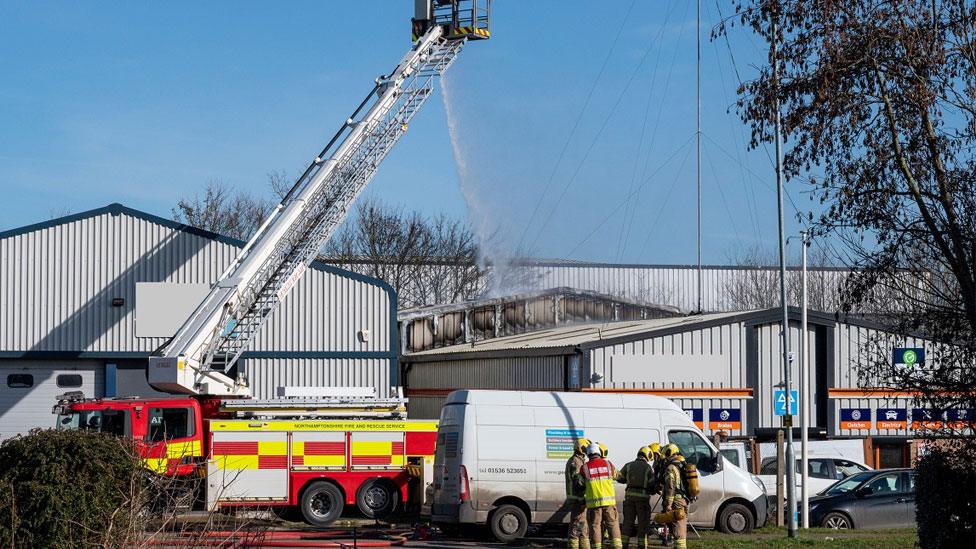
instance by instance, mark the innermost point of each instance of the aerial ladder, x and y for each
(198, 358)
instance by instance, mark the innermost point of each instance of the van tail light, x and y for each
(465, 495)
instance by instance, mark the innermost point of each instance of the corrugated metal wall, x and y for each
(429, 382)
(58, 284)
(674, 285)
(712, 358)
(770, 372)
(717, 358)
(854, 348)
(58, 280)
(265, 375)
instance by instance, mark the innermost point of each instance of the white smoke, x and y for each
(496, 255)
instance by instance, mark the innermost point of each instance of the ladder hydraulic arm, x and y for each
(197, 359)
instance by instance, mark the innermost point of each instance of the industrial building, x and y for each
(722, 368)
(84, 300)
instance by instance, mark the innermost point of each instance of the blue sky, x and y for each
(144, 102)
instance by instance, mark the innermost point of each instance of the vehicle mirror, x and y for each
(863, 491)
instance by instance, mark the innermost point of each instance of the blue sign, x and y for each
(960, 418)
(892, 418)
(697, 416)
(724, 419)
(855, 418)
(780, 400)
(909, 357)
(927, 418)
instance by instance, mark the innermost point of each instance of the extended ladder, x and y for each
(196, 360)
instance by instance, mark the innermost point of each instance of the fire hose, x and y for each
(287, 538)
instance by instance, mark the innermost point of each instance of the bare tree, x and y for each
(426, 260)
(756, 284)
(223, 211)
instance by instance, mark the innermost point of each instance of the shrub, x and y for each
(945, 498)
(67, 489)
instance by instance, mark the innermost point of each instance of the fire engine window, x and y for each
(69, 380)
(20, 381)
(115, 422)
(170, 423)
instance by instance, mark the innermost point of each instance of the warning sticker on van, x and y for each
(560, 442)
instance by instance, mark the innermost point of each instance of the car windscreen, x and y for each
(848, 484)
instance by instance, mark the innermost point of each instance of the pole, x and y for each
(698, 137)
(805, 388)
(780, 471)
(788, 419)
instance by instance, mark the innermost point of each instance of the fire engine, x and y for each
(317, 449)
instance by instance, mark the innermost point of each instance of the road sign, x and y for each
(780, 400)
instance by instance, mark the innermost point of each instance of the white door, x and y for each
(29, 388)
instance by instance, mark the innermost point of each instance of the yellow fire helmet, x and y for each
(670, 451)
(655, 449)
(581, 445)
(603, 449)
(644, 452)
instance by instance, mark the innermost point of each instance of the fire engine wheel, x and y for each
(377, 498)
(508, 523)
(322, 504)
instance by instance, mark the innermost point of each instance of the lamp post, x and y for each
(787, 378)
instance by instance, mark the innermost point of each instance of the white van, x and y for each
(501, 456)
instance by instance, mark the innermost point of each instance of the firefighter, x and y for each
(657, 468)
(637, 475)
(674, 496)
(575, 497)
(601, 502)
(654, 487)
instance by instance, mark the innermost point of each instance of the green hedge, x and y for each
(67, 489)
(945, 499)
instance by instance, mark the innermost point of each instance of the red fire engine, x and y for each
(318, 466)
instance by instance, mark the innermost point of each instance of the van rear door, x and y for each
(447, 463)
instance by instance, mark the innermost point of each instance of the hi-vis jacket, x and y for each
(599, 474)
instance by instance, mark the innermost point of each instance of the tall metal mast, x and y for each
(698, 136)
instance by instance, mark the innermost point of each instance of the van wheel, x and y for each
(377, 498)
(736, 518)
(322, 503)
(508, 523)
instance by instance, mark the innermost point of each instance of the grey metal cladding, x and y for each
(265, 375)
(710, 357)
(674, 285)
(537, 372)
(771, 368)
(58, 281)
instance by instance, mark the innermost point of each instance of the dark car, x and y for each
(873, 499)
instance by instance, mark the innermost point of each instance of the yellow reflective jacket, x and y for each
(599, 474)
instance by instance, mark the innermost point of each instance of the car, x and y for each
(884, 498)
(821, 473)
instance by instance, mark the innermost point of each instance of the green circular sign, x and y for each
(909, 357)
